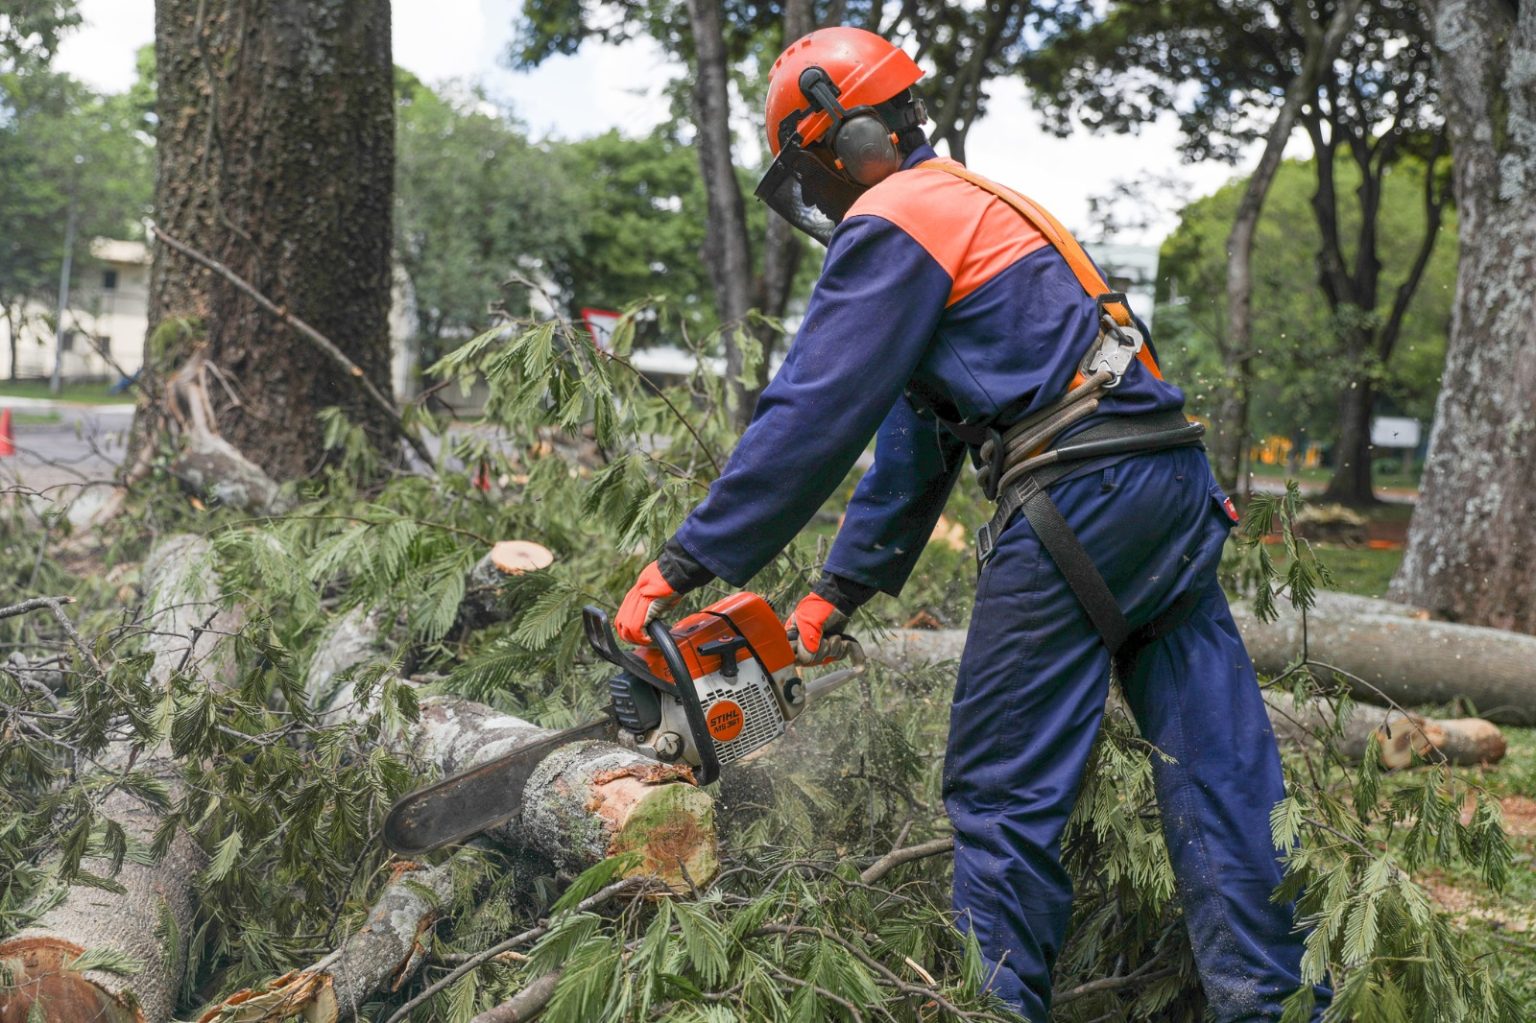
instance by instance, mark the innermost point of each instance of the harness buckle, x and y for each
(986, 544)
(1115, 349)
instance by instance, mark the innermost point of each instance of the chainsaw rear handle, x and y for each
(600, 636)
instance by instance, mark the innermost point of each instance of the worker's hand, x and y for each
(647, 600)
(816, 631)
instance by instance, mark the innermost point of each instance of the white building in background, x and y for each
(108, 318)
(103, 327)
(1131, 269)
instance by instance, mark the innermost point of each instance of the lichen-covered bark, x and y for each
(1471, 544)
(187, 630)
(276, 145)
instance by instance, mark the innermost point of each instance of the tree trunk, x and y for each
(727, 249)
(1409, 661)
(1351, 480)
(276, 148)
(1391, 647)
(1463, 741)
(584, 802)
(1470, 547)
(1231, 440)
(1229, 434)
(185, 625)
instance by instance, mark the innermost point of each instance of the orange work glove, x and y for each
(645, 602)
(817, 632)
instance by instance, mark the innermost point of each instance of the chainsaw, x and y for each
(715, 688)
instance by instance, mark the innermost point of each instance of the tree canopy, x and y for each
(1299, 365)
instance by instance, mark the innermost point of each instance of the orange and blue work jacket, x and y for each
(935, 295)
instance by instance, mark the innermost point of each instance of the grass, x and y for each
(83, 394)
(1360, 570)
(1321, 476)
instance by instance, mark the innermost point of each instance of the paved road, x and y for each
(86, 443)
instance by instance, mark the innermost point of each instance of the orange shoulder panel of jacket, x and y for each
(972, 234)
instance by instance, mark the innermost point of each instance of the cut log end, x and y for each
(591, 800)
(40, 975)
(514, 557)
(671, 826)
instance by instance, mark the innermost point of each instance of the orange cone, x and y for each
(482, 478)
(7, 439)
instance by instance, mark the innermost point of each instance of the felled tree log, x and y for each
(1462, 741)
(584, 803)
(186, 629)
(482, 604)
(1410, 660)
(1400, 737)
(379, 956)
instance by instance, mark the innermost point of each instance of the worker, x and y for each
(955, 321)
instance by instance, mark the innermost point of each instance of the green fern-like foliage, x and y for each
(577, 451)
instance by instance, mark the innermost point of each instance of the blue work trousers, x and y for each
(1028, 705)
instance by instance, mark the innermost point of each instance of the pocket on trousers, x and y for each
(1224, 506)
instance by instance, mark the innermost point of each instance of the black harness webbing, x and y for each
(1154, 432)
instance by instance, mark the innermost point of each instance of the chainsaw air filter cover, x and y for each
(735, 629)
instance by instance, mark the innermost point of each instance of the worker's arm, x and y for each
(895, 507)
(869, 323)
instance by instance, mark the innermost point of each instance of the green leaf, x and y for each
(225, 855)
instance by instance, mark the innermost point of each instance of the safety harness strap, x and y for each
(1061, 240)
(1067, 551)
(1152, 432)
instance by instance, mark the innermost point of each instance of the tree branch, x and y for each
(1434, 211)
(319, 340)
(896, 857)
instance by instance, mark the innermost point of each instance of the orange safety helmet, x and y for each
(864, 68)
(838, 108)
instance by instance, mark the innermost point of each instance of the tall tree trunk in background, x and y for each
(1351, 480)
(727, 244)
(728, 252)
(1470, 547)
(1230, 443)
(276, 146)
(783, 247)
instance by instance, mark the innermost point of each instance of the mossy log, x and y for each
(185, 632)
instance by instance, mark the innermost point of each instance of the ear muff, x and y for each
(866, 149)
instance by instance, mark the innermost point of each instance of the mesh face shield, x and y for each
(806, 192)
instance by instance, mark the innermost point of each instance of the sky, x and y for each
(604, 87)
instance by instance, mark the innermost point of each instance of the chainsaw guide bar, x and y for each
(466, 804)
